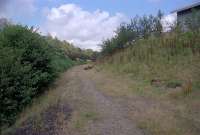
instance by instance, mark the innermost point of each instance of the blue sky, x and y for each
(83, 22)
(127, 7)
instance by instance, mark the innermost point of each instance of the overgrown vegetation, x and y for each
(163, 69)
(139, 28)
(70, 51)
(151, 54)
(28, 63)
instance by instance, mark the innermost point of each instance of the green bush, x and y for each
(27, 63)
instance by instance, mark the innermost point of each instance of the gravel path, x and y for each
(114, 119)
(75, 87)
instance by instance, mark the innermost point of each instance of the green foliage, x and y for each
(25, 68)
(151, 54)
(69, 50)
(139, 28)
(29, 62)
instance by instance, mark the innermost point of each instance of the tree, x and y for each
(158, 23)
(140, 27)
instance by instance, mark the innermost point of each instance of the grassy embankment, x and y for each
(165, 71)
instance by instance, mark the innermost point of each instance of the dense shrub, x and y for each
(27, 64)
(25, 67)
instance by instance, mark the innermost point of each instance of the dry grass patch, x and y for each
(158, 110)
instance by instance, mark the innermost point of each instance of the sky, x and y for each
(85, 23)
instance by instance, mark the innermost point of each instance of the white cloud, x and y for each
(168, 21)
(83, 28)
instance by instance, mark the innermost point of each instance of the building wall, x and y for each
(188, 16)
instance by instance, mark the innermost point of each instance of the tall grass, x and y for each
(172, 56)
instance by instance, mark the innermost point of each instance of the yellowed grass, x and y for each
(156, 110)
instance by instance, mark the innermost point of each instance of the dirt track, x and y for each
(114, 119)
(93, 102)
(86, 110)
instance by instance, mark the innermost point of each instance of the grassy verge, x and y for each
(156, 109)
(162, 80)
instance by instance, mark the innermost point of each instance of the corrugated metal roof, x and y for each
(187, 7)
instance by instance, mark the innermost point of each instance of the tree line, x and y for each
(145, 27)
